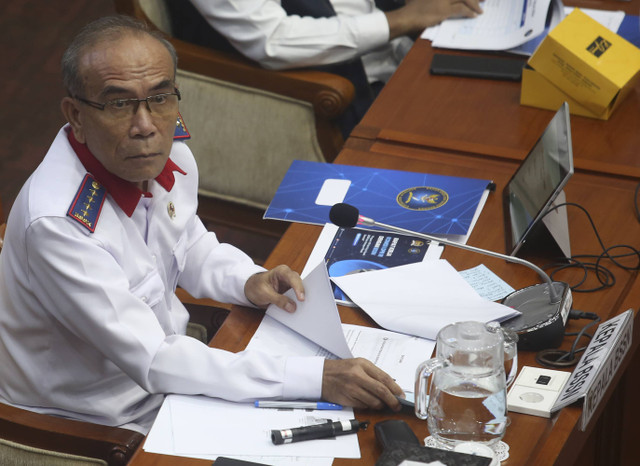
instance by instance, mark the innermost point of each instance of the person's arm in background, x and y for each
(262, 30)
(417, 15)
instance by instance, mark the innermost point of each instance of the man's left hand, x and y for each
(266, 288)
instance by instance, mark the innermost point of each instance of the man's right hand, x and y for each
(417, 15)
(360, 384)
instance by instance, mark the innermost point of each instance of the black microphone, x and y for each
(544, 307)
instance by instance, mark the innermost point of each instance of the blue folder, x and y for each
(422, 202)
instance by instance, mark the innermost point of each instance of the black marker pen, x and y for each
(316, 431)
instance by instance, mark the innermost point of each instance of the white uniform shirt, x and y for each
(262, 30)
(90, 327)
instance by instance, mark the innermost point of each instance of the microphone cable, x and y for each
(592, 262)
(557, 358)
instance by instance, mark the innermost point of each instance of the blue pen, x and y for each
(298, 405)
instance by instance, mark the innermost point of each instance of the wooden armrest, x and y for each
(330, 94)
(112, 444)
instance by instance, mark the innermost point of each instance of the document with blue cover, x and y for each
(422, 202)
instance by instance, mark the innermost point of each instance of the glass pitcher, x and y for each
(466, 400)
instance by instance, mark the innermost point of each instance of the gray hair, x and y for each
(103, 29)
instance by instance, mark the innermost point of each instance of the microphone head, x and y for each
(344, 215)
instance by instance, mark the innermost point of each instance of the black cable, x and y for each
(557, 358)
(588, 262)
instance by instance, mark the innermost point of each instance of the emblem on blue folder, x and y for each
(181, 131)
(422, 198)
(87, 204)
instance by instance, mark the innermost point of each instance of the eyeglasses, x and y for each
(161, 104)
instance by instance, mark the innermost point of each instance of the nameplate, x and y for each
(598, 366)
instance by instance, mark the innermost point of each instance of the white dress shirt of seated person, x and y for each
(264, 32)
(74, 338)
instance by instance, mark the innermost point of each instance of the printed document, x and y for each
(419, 299)
(504, 24)
(318, 331)
(189, 425)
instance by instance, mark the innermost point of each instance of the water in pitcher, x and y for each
(462, 410)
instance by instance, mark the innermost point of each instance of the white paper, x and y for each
(609, 19)
(333, 191)
(504, 24)
(397, 354)
(241, 427)
(419, 299)
(160, 440)
(317, 316)
(486, 283)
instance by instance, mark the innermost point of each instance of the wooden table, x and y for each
(484, 117)
(532, 440)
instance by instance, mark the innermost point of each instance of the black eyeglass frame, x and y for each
(101, 107)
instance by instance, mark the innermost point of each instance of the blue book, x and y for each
(422, 202)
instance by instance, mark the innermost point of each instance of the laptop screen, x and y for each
(538, 181)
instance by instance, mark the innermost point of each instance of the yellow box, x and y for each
(538, 91)
(584, 61)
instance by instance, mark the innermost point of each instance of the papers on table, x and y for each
(486, 283)
(516, 26)
(201, 427)
(204, 427)
(609, 19)
(357, 250)
(504, 24)
(396, 354)
(419, 299)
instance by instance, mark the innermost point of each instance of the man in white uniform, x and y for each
(97, 241)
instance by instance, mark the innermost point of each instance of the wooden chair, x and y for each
(32, 438)
(28, 438)
(248, 123)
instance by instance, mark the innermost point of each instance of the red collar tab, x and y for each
(123, 192)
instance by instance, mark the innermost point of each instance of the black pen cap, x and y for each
(276, 437)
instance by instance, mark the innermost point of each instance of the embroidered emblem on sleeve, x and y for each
(181, 131)
(87, 204)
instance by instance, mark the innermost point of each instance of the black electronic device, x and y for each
(477, 66)
(392, 433)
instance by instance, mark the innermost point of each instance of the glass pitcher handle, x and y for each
(510, 349)
(423, 374)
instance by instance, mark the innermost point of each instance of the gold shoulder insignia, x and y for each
(87, 204)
